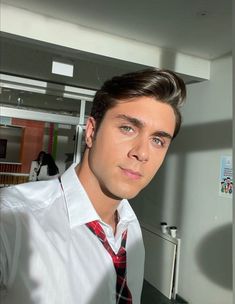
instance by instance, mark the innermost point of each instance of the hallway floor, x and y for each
(151, 295)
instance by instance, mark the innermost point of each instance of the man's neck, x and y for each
(105, 206)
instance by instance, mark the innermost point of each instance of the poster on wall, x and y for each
(226, 177)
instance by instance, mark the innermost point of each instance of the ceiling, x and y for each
(201, 28)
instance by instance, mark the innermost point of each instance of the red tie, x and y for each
(123, 294)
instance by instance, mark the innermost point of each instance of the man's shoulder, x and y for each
(32, 194)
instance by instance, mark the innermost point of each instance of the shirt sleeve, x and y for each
(10, 234)
(4, 261)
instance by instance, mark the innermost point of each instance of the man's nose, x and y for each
(140, 150)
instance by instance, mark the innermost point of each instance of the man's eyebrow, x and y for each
(140, 124)
(163, 134)
(135, 121)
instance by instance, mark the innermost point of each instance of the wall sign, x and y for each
(5, 120)
(226, 176)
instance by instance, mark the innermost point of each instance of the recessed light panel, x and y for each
(61, 68)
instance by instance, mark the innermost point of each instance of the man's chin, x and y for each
(129, 194)
(122, 194)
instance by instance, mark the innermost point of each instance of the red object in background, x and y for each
(31, 142)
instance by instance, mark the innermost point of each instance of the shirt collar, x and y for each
(79, 207)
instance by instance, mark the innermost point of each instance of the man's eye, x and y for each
(157, 141)
(126, 129)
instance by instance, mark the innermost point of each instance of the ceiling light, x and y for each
(60, 68)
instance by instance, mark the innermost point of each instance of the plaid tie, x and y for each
(123, 294)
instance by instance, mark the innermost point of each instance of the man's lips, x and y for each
(131, 173)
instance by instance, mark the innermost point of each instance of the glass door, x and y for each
(34, 119)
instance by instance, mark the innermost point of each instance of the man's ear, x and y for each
(90, 131)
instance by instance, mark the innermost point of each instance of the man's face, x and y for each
(130, 145)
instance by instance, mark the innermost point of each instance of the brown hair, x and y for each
(164, 85)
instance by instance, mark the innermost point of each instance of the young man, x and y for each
(77, 240)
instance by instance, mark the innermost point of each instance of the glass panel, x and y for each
(88, 108)
(25, 139)
(38, 101)
(10, 143)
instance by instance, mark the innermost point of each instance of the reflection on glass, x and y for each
(40, 102)
(25, 139)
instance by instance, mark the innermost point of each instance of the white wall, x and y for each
(185, 193)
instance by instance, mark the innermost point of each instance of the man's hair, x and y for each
(163, 85)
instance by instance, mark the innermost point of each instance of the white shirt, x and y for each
(49, 256)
